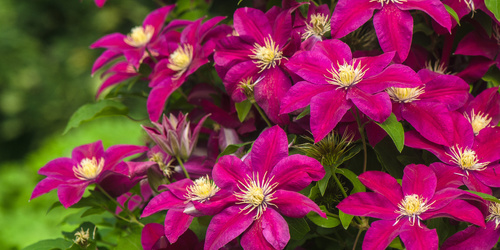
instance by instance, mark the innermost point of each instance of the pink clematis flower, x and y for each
(119, 72)
(484, 110)
(335, 82)
(89, 164)
(478, 43)
(262, 188)
(393, 22)
(314, 27)
(403, 208)
(100, 3)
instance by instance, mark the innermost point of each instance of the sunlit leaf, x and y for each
(395, 130)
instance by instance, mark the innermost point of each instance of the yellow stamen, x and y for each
(202, 190)
(437, 67)
(181, 59)
(257, 194)
(347, 74)
(405, 95)
(494, 210)
(318, 26)
(88, 169)
(267, 56)
(388, 1)
(412, 206)
(466, 159)
(140, 36)
(478, 121)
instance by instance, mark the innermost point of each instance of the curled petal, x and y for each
(226, 226)
(394, 30)
(296, 172)
(383, 184)
(380, 234)
(294, 204)
(269, 148)
(369, 204)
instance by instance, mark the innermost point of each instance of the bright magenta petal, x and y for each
(270, 91)
(369, 204)
(380, 234)
(252, 22)
(312, 66)
(69, 194)
(226, 226)
(395, 75)
(459, 210)
(326, 111)
(176, 223)
(419, 238)
(350, 15)
(293, 204)
(253, 238)
(157, 18)
(275, 229)
(383, 184)
(473, 238)
(378, 106)
(46, 185)
(296, 172)
(229, 170)
(433, 8)
(336, 50)
(270, 148)
(420, 180)
(165, 200)
(300, 95)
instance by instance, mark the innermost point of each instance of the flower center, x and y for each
(82, 237)
(494, 210)
(466, 159)
(437, 67)
(347, 75)
(266, 55)
(478, 121)
(388, 1)
(140, 36)
(412, 206)
(318, 26)
(470, 5)
(181, 59)
(257, 194)
(202, 190)
(405, 95)
(88, 169)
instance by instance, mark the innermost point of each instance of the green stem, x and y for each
(361, 128)
(151, 55)
(129, 213)
(338, 183)
(183, 168)
(357, 238)
(261, 112)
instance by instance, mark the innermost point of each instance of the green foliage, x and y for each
(329, 222)
(494, 7)
(298, 227)
(452, 13)
(345, 219)
(242, 108)
(58, 243)
(92, 111)
(395, 130)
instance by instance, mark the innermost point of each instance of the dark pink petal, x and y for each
(293, 204)
(163, 201)
(233, 49)
(464, 135)
(270, 91)
(312, 66)
(157, 18)
(151, 234)
(475, 44)
(380, 234)
(446, 89)
(88, 151)
(383, 184)
(300, 95)
(377, 106)
(447, 176)
(433, 8)
(253, 238)
(487, 144)
(60, 168)
(190, 33)
(369, 204)
(420, 180)
(69, 194)
(207, 26)
(269, 148)
(473, 238)
(337, 51)
(394, 29)
(395, 75)
(459, 210)
(113, 80)
(282, 28)
(116, 153)
(229, 171)
(100, 3)
(296, 172)
(443, 197)
(419, 238)
(178, 188)
(326, 111)
(375, 64)
(216, 204)
(489, 176)
(475, 184)
(236, 75)
(157, 98)
(226, 226)
(116, 183)
(106, 57)
(275, 229)
(252, 22)
(176, 223)
(414, 140)
(487, 102)
(478, 66)
(44, 186)
(346, 18)
(112, 41)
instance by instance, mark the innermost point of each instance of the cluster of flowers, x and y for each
(281, 62)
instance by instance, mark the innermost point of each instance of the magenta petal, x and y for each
(419, 238)
(113, 80)
(151, 233)
(106, 57)
(252, 22)
(346, 18)
(112, 41)
(489, 176)
(157, 98)
(420, 180)
(253, 238)
(394, 29)
(237, 74)
(336, 50)
(377, 106)
(270, 91)
(369, 204)
(116, 153)
(446, 89)
(326, 111)
(44, 186)
(293, 204)
(487, 144)
(488, 102)
(475, 184)
(178, 188)
(296, 172)
(459, 210)
(157, 18)
(229, 170)
(60, 168)
(383, 184)
(380, 234)
(275, 229)
(233, 49)
(433, 8)
(443, 197)
(414, 140)
(312, 66)
(226, 226)
(100, 3)
(395, 75)
(375, 64)
(300, 95)
(88, 151)
(69, 194)
(163, 201)
(473, 238)
(176, 223)
(475, 44)
(269, 148)
(447, 176)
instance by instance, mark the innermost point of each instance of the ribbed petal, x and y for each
(270, 91)
(419, 238)
(394, 29)
(233, 49)
(293, 204)
(414, 140)
(112, 41)
(475, 184)
(443, 197)
(158, 96)
(176, 223)
(447, 176)
(60, 168)
(487, 144)
(69, 194)
(420, 180)
(44, 186)
(163, 201)
(229, 171)
(337, 51)
(300, 95)
(226, 226)
(238, 73)
(116, 153)
(275, 229)
(377, 106)
(106, 57)
(88, 151)
(476, 44)
(326, 111)
(254, 238)
(151, 233)
(157, 18)
(383, 184)
(252, 22)
(350, 15)
(269, 148)
(296, 172)
(459, 210)
(473, 238)
(488, 102)
(375, 64)
(113, 80)
(178, 188)
(311, 65)
(489, 176)
(380, 234)
(433, 8)
(395, 75)
(369, 204)
(446, 89)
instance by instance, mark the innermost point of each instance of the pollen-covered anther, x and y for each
(88, 169)
(437, 67)
(202, 190)
(494, 210)
(388, 1)
(405, 95)
(82, 237)
(412, 206)
(318, 26)
(478, 121)
(347, 74)
(267, 56)
(181, 59)
(466, 159)
(140, 36)
(256, 193)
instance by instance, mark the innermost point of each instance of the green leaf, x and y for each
(353, 178)
(396, 243)
(131, 241)
(232, 148)
(323, 183)
(242, 108)
(93, 210)
(452, 13)
(91, 111)
(492, 77)
(306, 111)
(494, 7)
(155, 179)
(385, 151)
(330, 222)
(345, 219)
(58, 243)
(298, 227)
(485, 196)
(395, 131)
(314, 192)
(54, 205)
